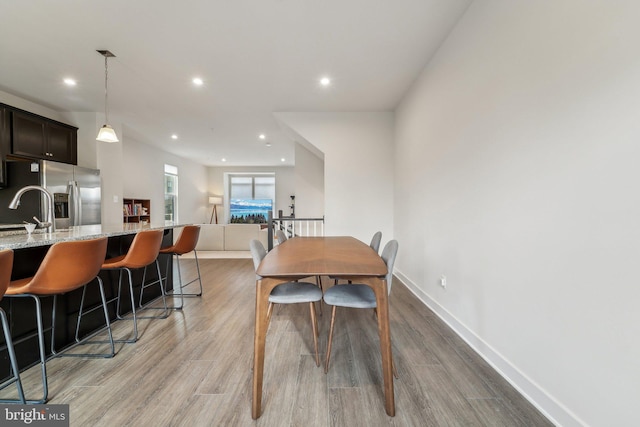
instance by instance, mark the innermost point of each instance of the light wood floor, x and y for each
(194, 368)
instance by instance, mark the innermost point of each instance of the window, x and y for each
(251, 197)
(170, 194)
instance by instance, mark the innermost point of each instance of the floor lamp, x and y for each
(215, 201)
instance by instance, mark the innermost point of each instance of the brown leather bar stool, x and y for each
(6, 266)
(186, 243)
(143, 252)
(66, 266)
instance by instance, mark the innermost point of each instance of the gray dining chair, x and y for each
(289, 293)
(375, 241)
(354, 295)
(375, 245)
(281, 236)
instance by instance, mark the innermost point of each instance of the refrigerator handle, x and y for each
(71, 212)
(74, 202)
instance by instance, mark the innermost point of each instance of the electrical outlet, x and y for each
(443, 281)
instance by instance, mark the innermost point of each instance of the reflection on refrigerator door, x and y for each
(81, 189)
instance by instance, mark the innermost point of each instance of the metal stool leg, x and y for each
(133, 307)
(15, 378)
(43, 359)
(86, 340)
(164, 307)
(83, 312)
(181, 286)
(166, 281)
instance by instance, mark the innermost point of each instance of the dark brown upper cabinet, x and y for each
(5, 141)
(37, 137)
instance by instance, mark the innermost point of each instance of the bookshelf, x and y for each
(136, 210)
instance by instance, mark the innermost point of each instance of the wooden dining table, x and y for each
(321, 256)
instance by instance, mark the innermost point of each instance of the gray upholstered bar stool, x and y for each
(185, 243)
(67, 266)
(143, 251)
(6, 266)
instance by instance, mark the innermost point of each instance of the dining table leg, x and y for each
(384, 331)
(263, 289)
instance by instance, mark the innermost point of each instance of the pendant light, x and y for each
(106, 133)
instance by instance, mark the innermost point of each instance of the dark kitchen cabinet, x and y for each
(62, 142)
(28, 135)
(34, 136)
(5, 142)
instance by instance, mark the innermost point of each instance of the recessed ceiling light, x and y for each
(174, 136)
(325, 81)
(69, 82)
(197, 81)
(224, 160)
(262, 136)
(268, 144)
(282, 159)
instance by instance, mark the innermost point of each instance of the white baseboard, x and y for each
(545, 403)
(219, 254)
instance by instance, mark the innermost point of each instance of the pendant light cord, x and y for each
(106, 72)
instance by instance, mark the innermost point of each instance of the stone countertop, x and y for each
(21, 239)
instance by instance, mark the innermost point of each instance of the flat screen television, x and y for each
(249, 211)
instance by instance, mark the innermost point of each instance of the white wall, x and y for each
(516, 176)
(88, 126)
(113, 173)
(285, 186)
(143, 168)
(358, 164)
(309, 184)
(32, 107)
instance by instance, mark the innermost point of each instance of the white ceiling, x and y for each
(256, 57)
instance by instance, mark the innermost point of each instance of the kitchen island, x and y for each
(20, 239)
(29, 251)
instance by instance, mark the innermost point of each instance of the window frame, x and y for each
(253, 175)
(172, 172)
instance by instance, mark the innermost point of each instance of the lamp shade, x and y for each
(215, 200)
(107, 134)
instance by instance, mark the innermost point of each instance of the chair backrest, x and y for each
(281, 236)
(258, 252)
(375, 241)
(144, 249)
(68, 266)
(389, 257)
(188, 239)
(6, 266)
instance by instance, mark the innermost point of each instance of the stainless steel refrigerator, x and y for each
(76, 193)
